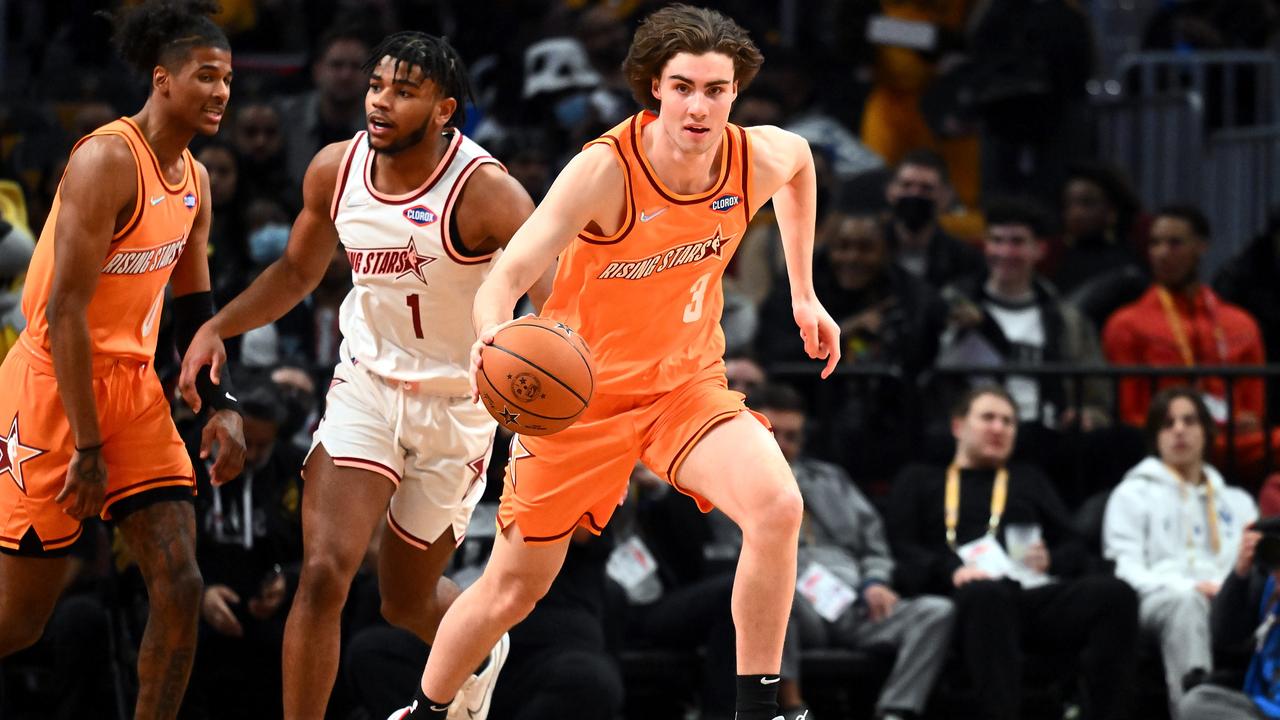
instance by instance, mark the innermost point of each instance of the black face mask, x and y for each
(914, 211)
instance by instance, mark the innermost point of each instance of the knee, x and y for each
(324, 580)
(406, 611)
(777, 518)
(934, 611)
(510, 598)
(180, 589)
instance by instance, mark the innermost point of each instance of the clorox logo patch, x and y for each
(189, 200)
(725, 203)
(421, 215)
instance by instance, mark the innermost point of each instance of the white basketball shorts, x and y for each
(434, 448)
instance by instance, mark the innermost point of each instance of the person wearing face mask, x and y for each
(1173, 526)
(915, 195)
(249, 547)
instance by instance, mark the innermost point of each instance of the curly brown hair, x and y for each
(683, 28)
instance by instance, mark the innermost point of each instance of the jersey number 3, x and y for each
(698, 290)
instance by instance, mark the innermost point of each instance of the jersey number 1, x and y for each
(413, 303)
(698, 290)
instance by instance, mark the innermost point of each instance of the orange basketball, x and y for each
(537, 377)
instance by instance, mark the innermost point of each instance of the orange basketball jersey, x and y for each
(648, 298)
(125, 308)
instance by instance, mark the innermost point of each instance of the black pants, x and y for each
(383, 664)
(1092, 618)
(696, 615)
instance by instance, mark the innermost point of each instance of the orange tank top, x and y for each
(125, 309)
(648, 298)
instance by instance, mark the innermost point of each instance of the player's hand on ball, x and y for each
(820, 333)
(225, 429)
(206, 349)
(485, 337)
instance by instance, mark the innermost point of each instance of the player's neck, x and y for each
(166, 139)
(684, 172)
(406, 170)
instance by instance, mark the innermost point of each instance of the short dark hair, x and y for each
(1190, 214)
(926, 158)
(776, 396)
(964, 404)
(1018, 211)
(683, 28)
(1158, 412)
(159, 32)
(260, 400)
(437, 59)
(1111, 180)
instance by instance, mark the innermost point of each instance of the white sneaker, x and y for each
(476, 694)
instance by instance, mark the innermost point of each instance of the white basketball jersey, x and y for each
(409, 315)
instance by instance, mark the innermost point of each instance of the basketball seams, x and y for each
(582, 355)
(540, 369)
(518, 406)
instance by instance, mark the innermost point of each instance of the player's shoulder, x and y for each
(105, 152)
(597, 162)
(322, 174)
(774, 138)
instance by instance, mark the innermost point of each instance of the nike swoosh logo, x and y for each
(157, 200)
(770, 681)
(231, 397)
(654, 214)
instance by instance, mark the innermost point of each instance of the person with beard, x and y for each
(1181, 322)
(421, 211)
(918, 189)
(249, 545)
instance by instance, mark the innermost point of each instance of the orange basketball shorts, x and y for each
(141, 446)
(578, 476)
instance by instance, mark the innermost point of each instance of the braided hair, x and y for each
(160, 32)
(438, 61)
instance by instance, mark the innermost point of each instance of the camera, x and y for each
(1266, 557)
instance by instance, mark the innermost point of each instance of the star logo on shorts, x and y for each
(477, 471)
(508, 417)
(13, 453)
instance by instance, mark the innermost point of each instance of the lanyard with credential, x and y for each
(999, 496)
(1180, 333)
(1210, 509)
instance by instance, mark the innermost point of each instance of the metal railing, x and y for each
(916, 394)
(1242, 87)
(1159, 139)
(1241, 185)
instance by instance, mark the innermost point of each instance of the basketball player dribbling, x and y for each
(421, 211)
(86, 424)
(644, 221)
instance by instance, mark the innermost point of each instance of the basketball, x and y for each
(537, 377)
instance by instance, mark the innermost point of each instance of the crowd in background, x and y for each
(964, 228)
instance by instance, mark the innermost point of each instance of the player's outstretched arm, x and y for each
(282, 285)
(587, 190)
(782, 168)
(86, 221)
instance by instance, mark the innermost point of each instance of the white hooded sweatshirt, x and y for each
(1156, 528)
